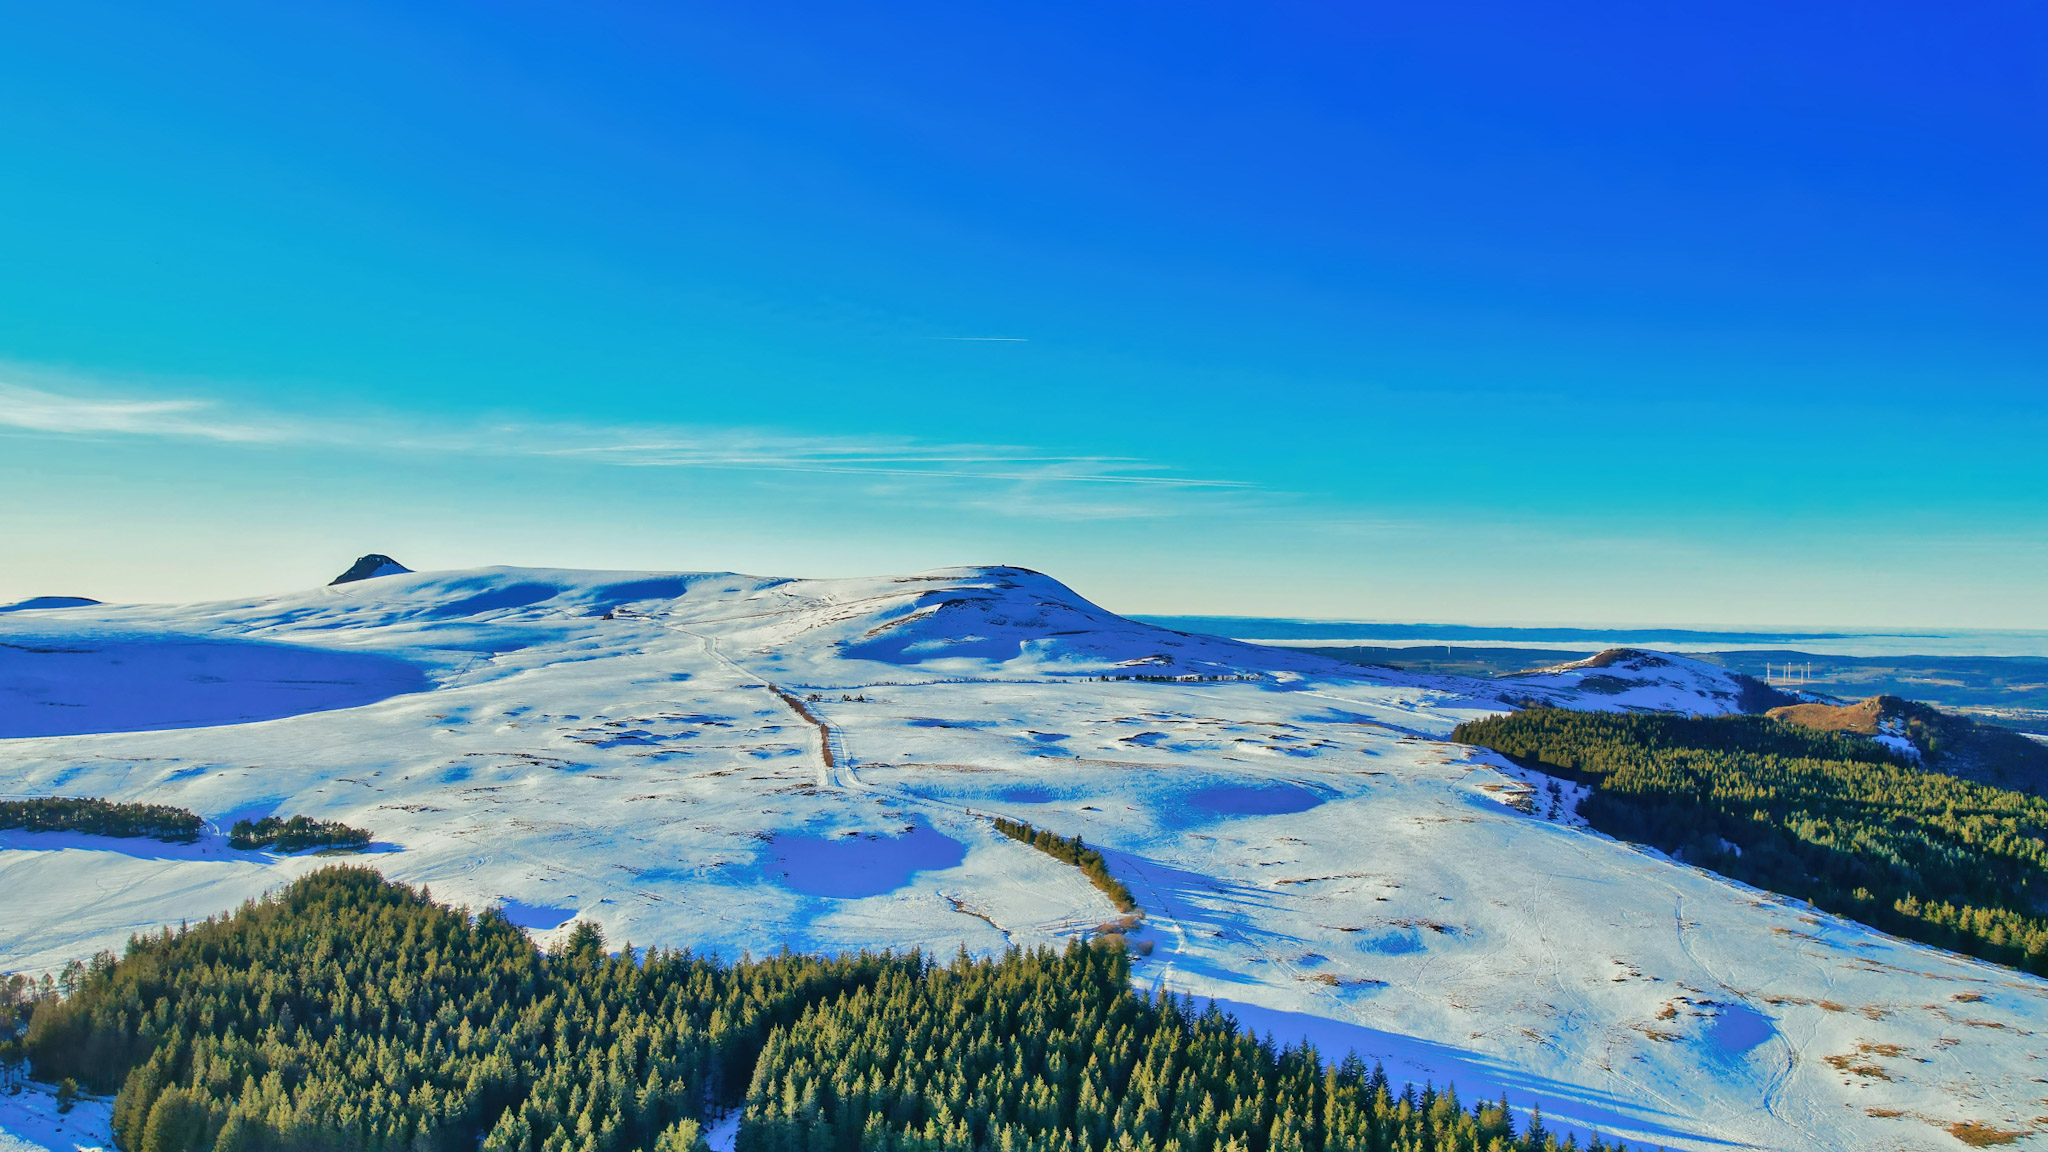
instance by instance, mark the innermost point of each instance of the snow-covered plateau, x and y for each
(734, 764)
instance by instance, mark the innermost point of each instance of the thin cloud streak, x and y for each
(39, 411)
(34, 410)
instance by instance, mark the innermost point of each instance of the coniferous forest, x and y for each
(173, 825)
(345, 1012)
(101, 818)
(1829, 817)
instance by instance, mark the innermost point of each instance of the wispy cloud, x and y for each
(1013, 479)
(34, 410)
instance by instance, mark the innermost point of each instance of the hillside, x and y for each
(1933, 739)
(1827, 816)
(1634, 680)
(737, 763)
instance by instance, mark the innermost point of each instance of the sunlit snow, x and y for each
(622, 748)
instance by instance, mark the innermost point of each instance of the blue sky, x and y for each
(1467, 312)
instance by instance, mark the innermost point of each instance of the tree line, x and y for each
(1073, 851)
(1044, 1052)
(172, 825)
(344, 1012)
(1823, 816)
(101, 818)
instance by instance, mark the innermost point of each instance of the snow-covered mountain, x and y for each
(622, 747)
(1623, 679)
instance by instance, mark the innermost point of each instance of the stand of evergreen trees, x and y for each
(347, 1013)
(296, 833)
(18, 997)
(101, 818)
(1038, 1052)
(1824, 816)
(344, 1012)
(1073, 851)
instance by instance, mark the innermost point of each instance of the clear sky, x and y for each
(1616, 313)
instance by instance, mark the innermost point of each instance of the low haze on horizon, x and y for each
(1470, 314)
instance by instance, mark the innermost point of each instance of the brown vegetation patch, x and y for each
(1855, 1063)
(1850, 1064)
(1862, 718)
(1332, 980)
(1984, 1135)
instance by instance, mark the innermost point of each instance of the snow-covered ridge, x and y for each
(617, 746)
(44, 603)
(1633, 679)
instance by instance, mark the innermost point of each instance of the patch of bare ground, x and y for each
(1320, 879)
(1978, 1135)
(1974, 1133)
(1856, 1063)
(1332, 980)
(966, 909)
(1824, 1005)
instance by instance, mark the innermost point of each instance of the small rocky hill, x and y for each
(1936, 740)
(367, 567)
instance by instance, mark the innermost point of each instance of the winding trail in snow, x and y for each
(711, 649)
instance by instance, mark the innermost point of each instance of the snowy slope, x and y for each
(617, 746)
(42, 603)
(1630, 679)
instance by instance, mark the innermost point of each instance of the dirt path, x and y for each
(826, 761)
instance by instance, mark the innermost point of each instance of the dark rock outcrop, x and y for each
(375, 564)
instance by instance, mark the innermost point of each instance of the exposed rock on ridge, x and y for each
(367, 567)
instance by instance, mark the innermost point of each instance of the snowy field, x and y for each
(621, 748)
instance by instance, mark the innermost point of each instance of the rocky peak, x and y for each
(372, 565)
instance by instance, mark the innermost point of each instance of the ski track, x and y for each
(638, 750)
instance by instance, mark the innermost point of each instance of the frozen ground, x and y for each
(621, 747)
(30, 1122)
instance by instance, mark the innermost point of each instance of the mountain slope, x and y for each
(39, 603)
(1630, 679)
(620, 746)
(1936, 740)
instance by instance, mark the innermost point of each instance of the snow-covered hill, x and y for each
(620, 747)
(1622, 679)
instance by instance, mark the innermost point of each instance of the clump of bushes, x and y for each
(297, 833)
